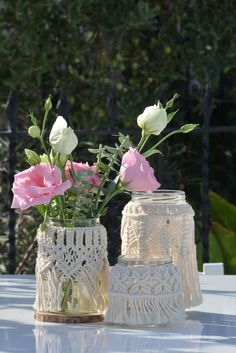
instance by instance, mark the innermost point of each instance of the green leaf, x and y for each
(170, 103)
(227, 242)
(93, 150)
(32, 157)
(41, 209)
(171, 115)
(33, 119)
(125, 141)
(111, 187)
(151, 152)
(222, 211)
(85, 184)
(223, 217)
(111, 149)
(102, 166)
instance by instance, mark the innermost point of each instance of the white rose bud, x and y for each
(62, 138)
(153, 120)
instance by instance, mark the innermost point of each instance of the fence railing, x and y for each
(63, 108)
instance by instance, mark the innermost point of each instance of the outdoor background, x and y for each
(109, 60)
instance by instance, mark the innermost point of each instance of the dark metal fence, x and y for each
(63, 108)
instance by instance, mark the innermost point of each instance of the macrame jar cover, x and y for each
(71, 274)
(145, 286)
(151, 222)
(145, 294)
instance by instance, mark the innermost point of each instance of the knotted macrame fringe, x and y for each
(140, 295)
(146, 310)
(189, 278)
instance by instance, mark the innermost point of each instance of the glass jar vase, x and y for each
(158, 226)
(71, 271)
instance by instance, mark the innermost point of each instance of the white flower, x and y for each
(62, 138)
(153, 120)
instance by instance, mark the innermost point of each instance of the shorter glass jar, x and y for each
(71, 271)
(145, 292)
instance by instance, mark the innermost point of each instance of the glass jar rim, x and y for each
(73, 222)
(161, 195)
(140, 262)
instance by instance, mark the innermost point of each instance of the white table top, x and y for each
(209, 328)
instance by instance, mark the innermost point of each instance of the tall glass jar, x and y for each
(71, 271)
(159, 225)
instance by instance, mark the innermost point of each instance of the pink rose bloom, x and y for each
(136, 173)
(94, 179)
(37, 186)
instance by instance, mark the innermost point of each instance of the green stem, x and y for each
(66, 293)
(73, 175)
(141, 140)
(44, 122)
(45, 148)
(45, 214)
(107, 199)
(166, 137)
(42, 136)
(144, 142)
(60, 203)
(106, 175)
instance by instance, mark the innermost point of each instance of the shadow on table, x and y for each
(217, 328)
(219, 292)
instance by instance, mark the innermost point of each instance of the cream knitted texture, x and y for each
(68, 254)
(151, 231)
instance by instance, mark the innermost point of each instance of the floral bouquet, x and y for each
(72, 267)
(62, 188)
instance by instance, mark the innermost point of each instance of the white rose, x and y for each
(153, 120)
(62, 138)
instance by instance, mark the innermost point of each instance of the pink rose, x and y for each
(136, 173)
(37, 186)
(94, 179)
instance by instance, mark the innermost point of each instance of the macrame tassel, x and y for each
(189, 277)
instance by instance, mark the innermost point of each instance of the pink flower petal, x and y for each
(37, 185)
(136, 173)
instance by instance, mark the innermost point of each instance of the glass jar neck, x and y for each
(74, 222)
(159, 197)
(140, 262)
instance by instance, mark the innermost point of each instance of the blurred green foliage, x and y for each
(96, 51)
(112, 59)
(223, 227)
